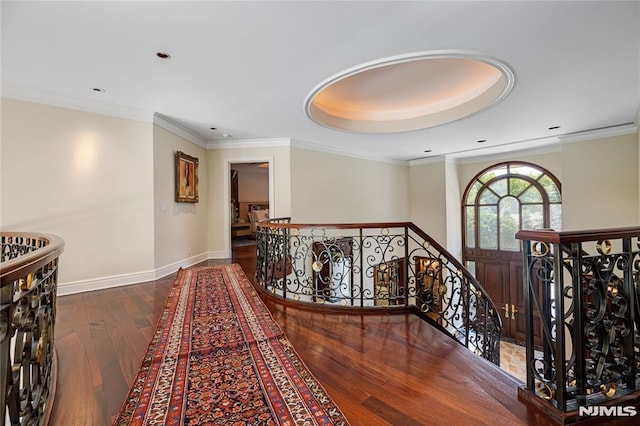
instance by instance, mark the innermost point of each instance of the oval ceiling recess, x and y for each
(409, 92)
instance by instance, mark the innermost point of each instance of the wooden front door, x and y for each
(498, 202)
(501, 274)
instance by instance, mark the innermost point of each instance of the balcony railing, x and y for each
(581, 292)
(377, 266)
(29, 272)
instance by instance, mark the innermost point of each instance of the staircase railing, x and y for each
(29, 272)
(377, 266)
(583, 286)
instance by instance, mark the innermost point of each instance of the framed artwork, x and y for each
(186, 178)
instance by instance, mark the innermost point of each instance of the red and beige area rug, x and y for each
(218, 357)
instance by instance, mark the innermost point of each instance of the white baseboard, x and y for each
(102, 283)
(218, 255)
(170, 269)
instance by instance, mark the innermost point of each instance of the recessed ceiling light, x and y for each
(98, 89)
(226, 135)
(409, 92)
(163, 55)
(427, 150)
(554, 127)
(213, 128)
(481, 141)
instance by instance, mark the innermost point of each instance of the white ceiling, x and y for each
(247, 67)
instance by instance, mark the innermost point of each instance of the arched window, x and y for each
(505, 198)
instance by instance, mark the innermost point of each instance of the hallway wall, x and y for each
(85, 177)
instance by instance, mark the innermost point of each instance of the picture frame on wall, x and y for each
(186, 178)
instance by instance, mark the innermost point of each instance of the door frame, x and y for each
(226, 191)
(508, 259)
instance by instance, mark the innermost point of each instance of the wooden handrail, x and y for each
(269, 224)
(565, 237)
(294, 263)
(593, 297)
(29, 279)
(22, 265)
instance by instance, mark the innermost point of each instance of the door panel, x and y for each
(491, 275)
(497, 202)
(516, 287)
(501, 274)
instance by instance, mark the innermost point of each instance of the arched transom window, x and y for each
(508, 197)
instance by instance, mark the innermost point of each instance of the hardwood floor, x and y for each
(380, 369)
(101, 337)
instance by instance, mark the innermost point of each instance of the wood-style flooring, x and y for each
(380, 369)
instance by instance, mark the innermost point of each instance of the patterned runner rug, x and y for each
(218, 357)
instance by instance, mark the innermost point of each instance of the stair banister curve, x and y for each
(29, 277)
(394, 267)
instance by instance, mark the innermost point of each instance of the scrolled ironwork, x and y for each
(27, 319)
(588, 315)
(390, 266)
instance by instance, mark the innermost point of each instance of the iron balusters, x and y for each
(393, 266)
(27, 320)
(584, 287)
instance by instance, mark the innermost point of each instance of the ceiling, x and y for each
(246, 68)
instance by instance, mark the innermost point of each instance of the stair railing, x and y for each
(377, 266)
(29, 271)
(581, 291)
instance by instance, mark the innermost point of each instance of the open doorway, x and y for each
(249, 200)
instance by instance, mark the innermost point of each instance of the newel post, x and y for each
(581, 292)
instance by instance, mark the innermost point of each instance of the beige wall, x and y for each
(105, 185)
(600, 183)
(253, 186)
(218, 161)
(599, 180)
(85, 177)
(180, 229)
(453, 243)
(429, 199)
(437, 189)
(330, 188)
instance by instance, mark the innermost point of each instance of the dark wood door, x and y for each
(491, 274)
(501, 274)
(519, 326)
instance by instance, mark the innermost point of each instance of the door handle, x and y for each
(506, 310)
(514, 311)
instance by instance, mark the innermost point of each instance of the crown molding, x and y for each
(428, 160)
(277, 142)
(170, 125)
(249, 143)
(507, 155)
(601, 133)
(535, 146)
(354, 154)
(51, 98)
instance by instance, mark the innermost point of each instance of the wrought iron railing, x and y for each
(581, 292)
(388, 266)
(29, 271)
